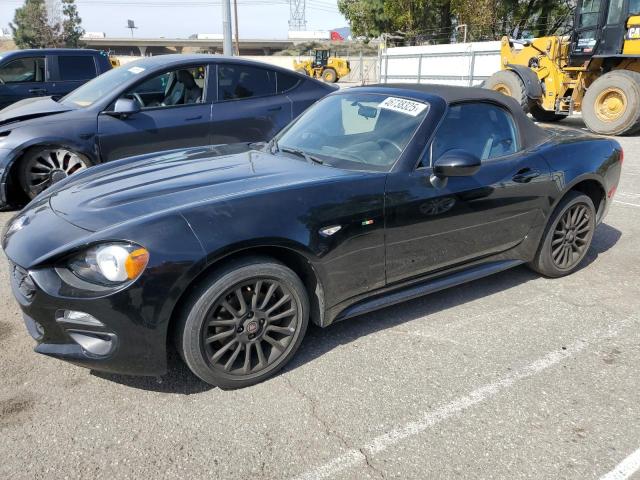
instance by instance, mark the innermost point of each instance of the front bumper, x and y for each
(119, 340)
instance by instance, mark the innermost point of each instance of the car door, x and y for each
(249, 107)
(68, 72)
(22, 77)
(176, 113)
(431, 228)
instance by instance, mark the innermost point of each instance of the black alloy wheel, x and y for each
(567, 237)
(571, 236)
(250, 326)
(243, 323)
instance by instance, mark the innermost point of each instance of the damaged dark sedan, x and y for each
(149, 105)
(373, 196)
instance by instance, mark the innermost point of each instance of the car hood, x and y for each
(31, 108)
(151, 185)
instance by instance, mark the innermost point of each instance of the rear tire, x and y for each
(542, 115)
(509, 83)
(243, 323)
(329, 75)
(567, 236)
(611, 105)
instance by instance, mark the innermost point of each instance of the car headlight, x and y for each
(110, 264)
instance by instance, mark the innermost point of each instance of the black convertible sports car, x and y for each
(373, 196)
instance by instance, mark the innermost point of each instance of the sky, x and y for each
(265, 19)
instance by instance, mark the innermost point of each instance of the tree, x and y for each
(30, 25)
(434, 21)
(409, 20)
(71, 24)
(33, 28)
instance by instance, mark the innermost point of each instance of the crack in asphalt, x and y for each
(330, 431)
(327, 428)
(313, 409)
(370, 465)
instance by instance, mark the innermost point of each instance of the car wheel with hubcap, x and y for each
(244, 323)
(43, 166)
(567, 237)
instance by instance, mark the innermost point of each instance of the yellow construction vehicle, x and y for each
(594, 70)
(323, 65)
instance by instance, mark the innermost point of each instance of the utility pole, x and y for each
(235, 19)
(227, 48)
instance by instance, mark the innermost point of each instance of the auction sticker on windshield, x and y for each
(402, 105)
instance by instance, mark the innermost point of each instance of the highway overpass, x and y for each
(156, 46)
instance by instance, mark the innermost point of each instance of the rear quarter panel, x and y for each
(306, 94)
(574, 157)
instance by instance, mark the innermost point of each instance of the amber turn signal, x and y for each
(136, 262)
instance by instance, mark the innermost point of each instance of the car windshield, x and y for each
(358, 131)
(102, 85)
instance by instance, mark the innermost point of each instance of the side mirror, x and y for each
(456, 163)
(125, 107)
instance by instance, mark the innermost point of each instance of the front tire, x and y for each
(41, 167)
(611, 105)
(329, 75)
(567, 237)
(244, 323)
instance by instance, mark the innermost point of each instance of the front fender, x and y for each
(530, 79)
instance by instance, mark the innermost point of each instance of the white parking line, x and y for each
(431, 418)
(625, 469)
(626, 203)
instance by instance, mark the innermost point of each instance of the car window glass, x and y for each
(183, 86)
(286, 82)
(355, 130)
(615, 11)
(21, 70)
(353, 120)
(76, 67)
(243, 81)
(485, 130)
(589, 13)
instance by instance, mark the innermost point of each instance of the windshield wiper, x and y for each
(301, 153)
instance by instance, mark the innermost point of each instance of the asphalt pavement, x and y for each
(512, 376)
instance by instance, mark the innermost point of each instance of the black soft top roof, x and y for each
(531, 135)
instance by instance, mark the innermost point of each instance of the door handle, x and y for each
(191, 119)
(274, 109)
(525, 175)
(37, 90)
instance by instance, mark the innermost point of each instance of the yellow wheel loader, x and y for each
(595, 70)
(323, 65)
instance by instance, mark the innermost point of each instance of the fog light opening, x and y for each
(78, 318)
(97, 344)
